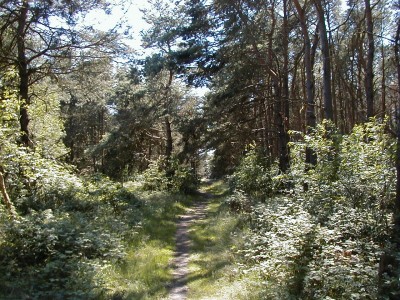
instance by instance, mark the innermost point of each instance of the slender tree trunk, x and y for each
(279, 113)
(280, 88)
(397, 59)
(167, 127)
(284, 136)
(167, 121)
(369, 71)
(327, 84)
(360, 106)
(23, 74)
(266, 132)
(6, 197)
(169, 141)
(297, 106)
(311, 158)
(383, 84)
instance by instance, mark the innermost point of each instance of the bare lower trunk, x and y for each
(383, 84)
(284, 136)
(169, 141)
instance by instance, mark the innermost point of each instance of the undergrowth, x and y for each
(145, 272)
(92, 239)
(334, 239)
(214, 264)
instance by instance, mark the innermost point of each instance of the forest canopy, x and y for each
(301, 117)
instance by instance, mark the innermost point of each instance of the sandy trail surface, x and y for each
(178, 288)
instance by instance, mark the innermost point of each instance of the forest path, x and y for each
(179, 288)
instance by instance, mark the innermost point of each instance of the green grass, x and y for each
(217, 188)
(214, 273)
(145, 271)
(141, 225)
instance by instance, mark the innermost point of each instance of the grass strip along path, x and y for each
(185, 248)
(205, 263)
(179, 288)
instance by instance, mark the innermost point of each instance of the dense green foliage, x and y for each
(253, 175)
(98, 158)
(327, 242)
(181, 179)
(87, 237)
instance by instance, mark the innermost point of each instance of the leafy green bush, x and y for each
(298, 257)
(46, 250)
(279, 246)
(178, 178)
(366, 173)
(326, 242)
(357, 168)
(253, 175)
(239, 202)
(344, 265)
(183, 179)
(154, 178)
(66, 238)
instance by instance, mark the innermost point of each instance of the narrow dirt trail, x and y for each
(179, 289)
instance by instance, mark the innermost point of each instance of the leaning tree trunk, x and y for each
(6, 197)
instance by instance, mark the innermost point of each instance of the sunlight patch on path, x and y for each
(179, 289)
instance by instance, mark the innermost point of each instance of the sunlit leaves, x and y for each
(326, 242)
(253, 175)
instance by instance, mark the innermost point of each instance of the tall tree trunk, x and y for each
(311, 158)
(23, 73)
(284, 162)
(280, 107)
(397, 59)
(279, 115)
(369, 72)
(383, 83)
(167, 127)
(327, 85)
(266, 131)
(167, 121)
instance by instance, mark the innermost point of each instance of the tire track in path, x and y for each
(179, 288)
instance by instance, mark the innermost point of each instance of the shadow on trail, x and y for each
(178, 288)
(200, 241)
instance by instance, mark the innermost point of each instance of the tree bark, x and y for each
(284, 162)
(369, 71)
(23, 74)
(311, 158)
(397, 59)
(383, 83)
(327, 82)
(6, 197)
(167, 121)
(169, 141)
